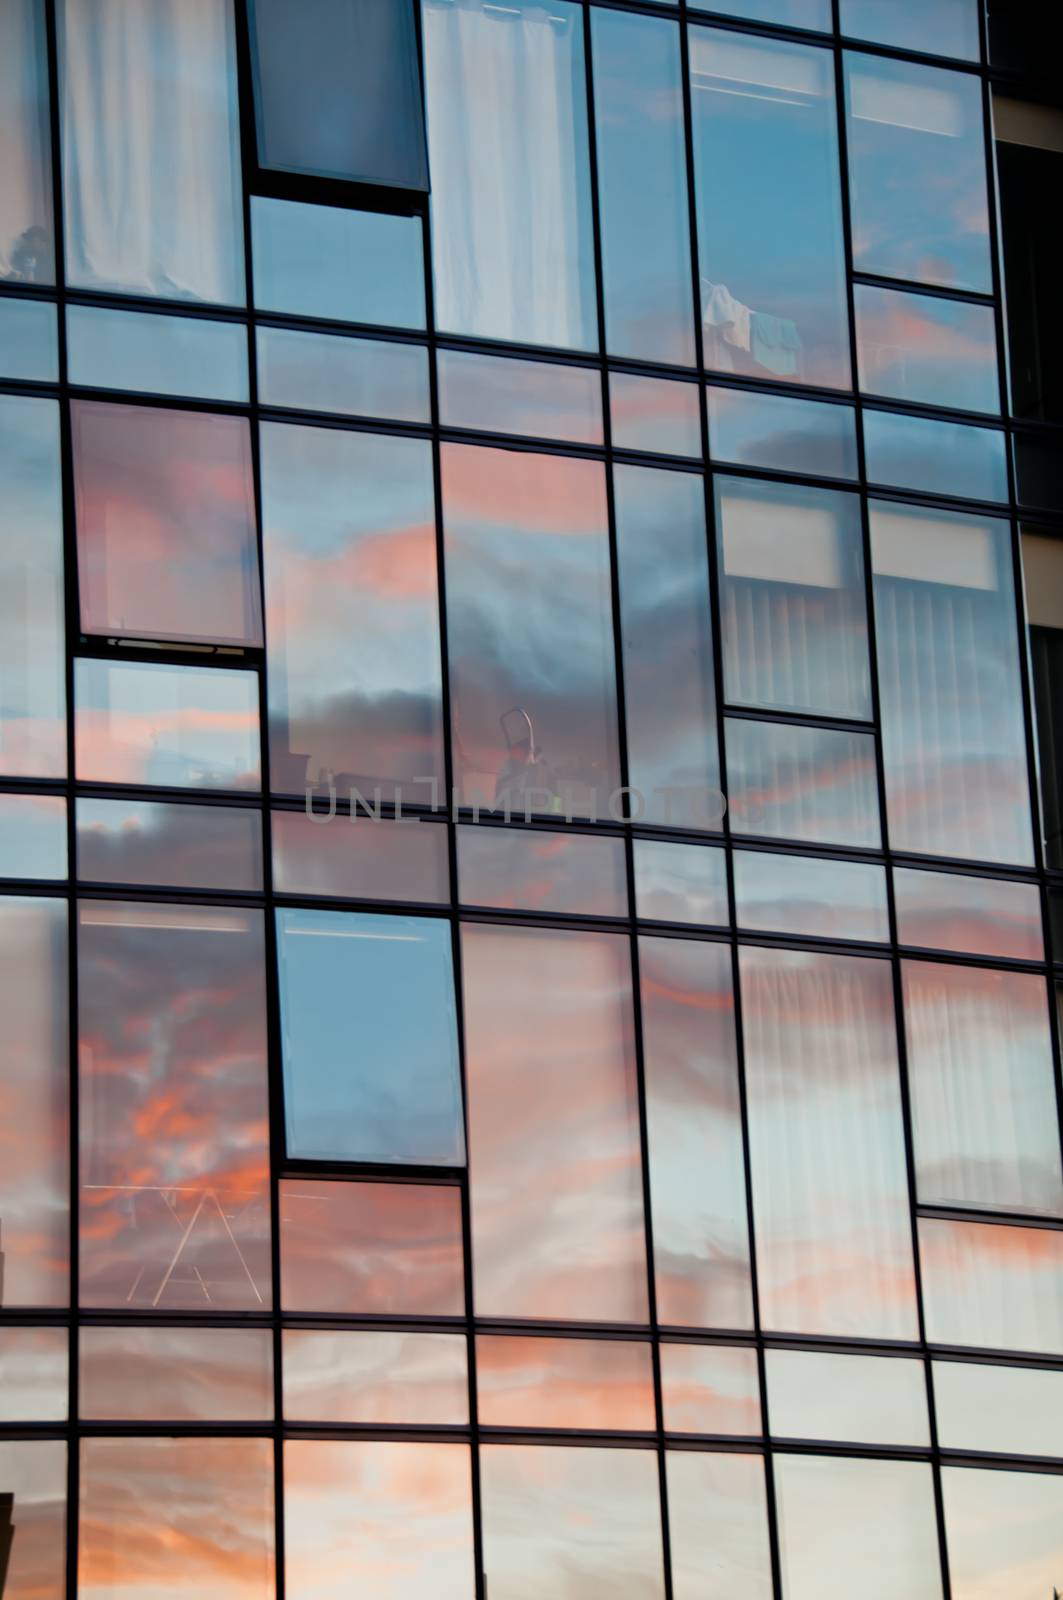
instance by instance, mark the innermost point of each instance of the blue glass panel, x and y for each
(917, 347)
(352, 377)
(936, 457)
(781, 432)
(29, 342)
(349, 266)
(152, 353)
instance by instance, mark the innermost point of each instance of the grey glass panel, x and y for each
(936, 457)
(856, 1527)
(718, 1526)
(792, 601)
(775, 430)
(528, 869)
(352, 377)
(815, 784)
(985, 916)
(352, 620)
(553, 1109)
(176, 1374)
(184, 727)
(990, 1285)
(917, 173)
(325, 261)
(537, 398)
(693, 1112)
(983, 1088)
(27, 244)
(680, 882)
(367, 1075)
(380, 1378)
(338, 91)
(710, 1388)
(151, 149)
(766, 168)
(35, 1472)
(1015, 1410)
(33, 1376)
(638, 106)
(173, 846)
(654, 414)
(360, 859)
(34, 1092)
(798, 894)
(564, 1383)
(830, 1186)
(29, 341)
(32, 836)
(951, 699)
(1042, 565)
(529, 612)
(666, 619)
(578, 1522)
(174, 1108)
(941, 27)
(917, 347)
(813, 1394)
(795, 13)
(32, 692)
(151, 353)
(1003, 1531)
(511, 209)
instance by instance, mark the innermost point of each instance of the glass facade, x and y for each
(531, 802)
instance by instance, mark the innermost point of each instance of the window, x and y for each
(27, 245)
(348, 266)
(564, 1383)
(777, 431)
(156, 354)
(813, 784)
(946, 458)
(991, 1285)
(154, 842)
(1029, 154)
(940, 27)
(813, 1394)
(204, 1375)
(375, 1377)
(718, 1524)
(918, 347)
(1042, 561)
(33, 1517)
(1003, 1531)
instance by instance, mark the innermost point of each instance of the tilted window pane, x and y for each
(151, 353)
(798, 894)
(830, 1186)
(951, 699)
(540, 399)
(530, 630)
(777, 431)
(27, 242)
(360, 858)
(368, 1076)
(553, 1110)
(529, 869)
(34, 1091)
(34, 1474)
(984, 916)
(693, 1116)
(1004, 1532)
(511, 205)
(378, 1248)
(338, 90)
(583, 1521)
(918, 347)
(939, 27)
(766, 168)
(792, 604)
(326, 261)
(718, 1525)
(1014, 1410)
(1042, 565)
(680, 882)
(29, 340)
(158, 1374)
(151, 148)
(666, 625)
(184, 1517)
(181, 727)
(32, 836)
(813, 1394)
(991, 1285)
(350, 377)
(351, 611)
(32, 692)
(33, 1378)
(710, 1388)
(814, 784)
(936, 457)
(165, 491)
(917, 173)
(174, 1108)
(564, 1383)
(151, 842)
(638, 104)
(375, 1377)
(654, 414)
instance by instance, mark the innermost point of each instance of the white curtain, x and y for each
(26, 246)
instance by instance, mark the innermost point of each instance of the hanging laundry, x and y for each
(776, 344)
(723, 311)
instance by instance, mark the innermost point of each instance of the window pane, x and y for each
(27, 246)
(940, 27)
(985, 916)
(360, 859)
(990, 1285)
(830, 1186)
(32, 836)
(33, 1520)
(368, 1075)
(174, 1108)
(1042, 564)
(680, 882)
(351, 603)
(156, 354)
(1015, 1410)
(951, 700)
(176, 1374)
(777, 431)
(718, 1524)
(800, 895)
(528, 869)
(564, 1383)
(666, 617)
(553, 1111)
(539, 399)
(793, 13)
(375, 1377)
(511, 209)
(34, 1075)
(710, 1388)
(769, 312)
(29, 340)
(1004, 1532)
(348, 266)
(917, 173)
(654, 414)
(337, 90)
(813, 1394)
(179, 727)
(165, 491)
(381, 1518)
(183, 1517)
(151, 149)
(33, 1379)
(638, 103)
(32, 693)
(693, 1117)
(349, 377)
(917, 347)
(792, 603)
(814, 784)
(936, 457)
(172, 846)
(529, 613)
(578, 1522)
(387, 1249)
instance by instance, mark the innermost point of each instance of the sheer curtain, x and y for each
(26, 243)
